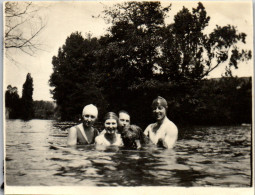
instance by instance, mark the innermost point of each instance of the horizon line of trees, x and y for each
(25, 107)
(223, 101)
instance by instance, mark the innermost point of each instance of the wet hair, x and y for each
(159, 101)
(110, 115)
(123, 111)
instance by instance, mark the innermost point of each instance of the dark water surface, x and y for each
(36, 155)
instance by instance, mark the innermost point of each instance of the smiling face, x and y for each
(159, 112)
(110, 126)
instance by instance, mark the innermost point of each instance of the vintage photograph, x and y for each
(128, 94)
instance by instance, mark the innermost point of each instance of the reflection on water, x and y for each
(36, 154)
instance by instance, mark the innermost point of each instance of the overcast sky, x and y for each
(63, 18)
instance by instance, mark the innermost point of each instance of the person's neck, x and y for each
(87, 128)
(110, 137)
(159, 122)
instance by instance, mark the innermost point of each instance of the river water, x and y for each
(37, 155)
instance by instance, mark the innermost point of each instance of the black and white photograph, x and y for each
(128, 97)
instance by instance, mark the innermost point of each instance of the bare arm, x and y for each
(72, 137)
(146, 131)
(170, 138)
(97, 140)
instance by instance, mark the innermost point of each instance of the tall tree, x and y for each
(12, 102)
(74, 79)
(134, 39)
(143, 56)
(27, 98)
(129, 52)
(191, 54)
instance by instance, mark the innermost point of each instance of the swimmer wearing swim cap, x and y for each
(84, 133)
(164, 132)
(159, 108)
(89, 115)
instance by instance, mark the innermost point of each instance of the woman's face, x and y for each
(110, 126)
(159, 112)
(89, 119)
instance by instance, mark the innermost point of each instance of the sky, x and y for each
(64, 18)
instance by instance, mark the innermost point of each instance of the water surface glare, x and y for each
(36, 154)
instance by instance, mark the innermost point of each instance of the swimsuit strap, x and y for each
(80, 139)
(96, 133)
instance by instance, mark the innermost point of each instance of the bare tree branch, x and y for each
(11, 12)
(23, 25)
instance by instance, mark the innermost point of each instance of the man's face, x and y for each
(159, 112)
(89, 119)
(124, 120)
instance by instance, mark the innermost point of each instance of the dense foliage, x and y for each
(44, 110)
(222, 101)
(75, 77)
(27, 98)
(141, 57)
(12, 102)
(14, 106)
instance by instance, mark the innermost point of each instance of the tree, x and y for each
(23, 25)
(190, 54)
(145, 57)
(44, 110)
(8, 96)
(141, 57)
(74, 78)
(134, 40)
(222, 101)
(144, 45)
(129, 52)
(12, 102)
(27, 98)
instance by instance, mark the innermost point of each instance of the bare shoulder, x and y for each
(72, 136)
(98, 138)
(148, 128)
(171, 127)
(73, 128)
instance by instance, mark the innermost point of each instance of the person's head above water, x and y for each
(159, 108)
(159, 101)
(110, 115)
(89, 115)
(111, 122)
(90, 109)
(124, 119)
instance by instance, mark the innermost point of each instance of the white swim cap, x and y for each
(90, 109)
